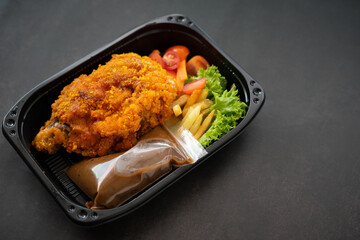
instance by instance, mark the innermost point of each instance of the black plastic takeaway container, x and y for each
(25, 118)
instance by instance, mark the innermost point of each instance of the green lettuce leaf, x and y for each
(228, 110)
(215, 82)
(227, 105)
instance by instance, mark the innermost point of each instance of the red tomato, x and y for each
(191, 86)
(195, 63)
(171, 60)
(182, 51)
(155, 55)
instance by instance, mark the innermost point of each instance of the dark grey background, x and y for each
(293, 174)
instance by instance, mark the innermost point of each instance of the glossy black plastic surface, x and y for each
(25, 118)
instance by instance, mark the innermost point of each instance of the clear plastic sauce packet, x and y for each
(113, 179)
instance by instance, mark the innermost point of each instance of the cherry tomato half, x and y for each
(182, 51)
(155, 55)
(171, 60)
(194, 85)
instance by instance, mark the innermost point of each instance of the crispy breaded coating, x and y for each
(109, 109)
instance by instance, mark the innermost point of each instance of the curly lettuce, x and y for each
(227, 104)
(215, 82)
(228, 110)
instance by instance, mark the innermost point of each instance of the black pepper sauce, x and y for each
(113, 179)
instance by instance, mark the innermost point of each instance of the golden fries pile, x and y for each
(195, 108)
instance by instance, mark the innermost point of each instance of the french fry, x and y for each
(187, 115)
(204, 104)
(185, 110)
(205, 125)
(192, 99)
(177, 110)
(203, 95)
(189, 120)
(181, 101)
(196, 124)
(205, 111)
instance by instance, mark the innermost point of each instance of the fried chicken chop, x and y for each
(109, 109)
